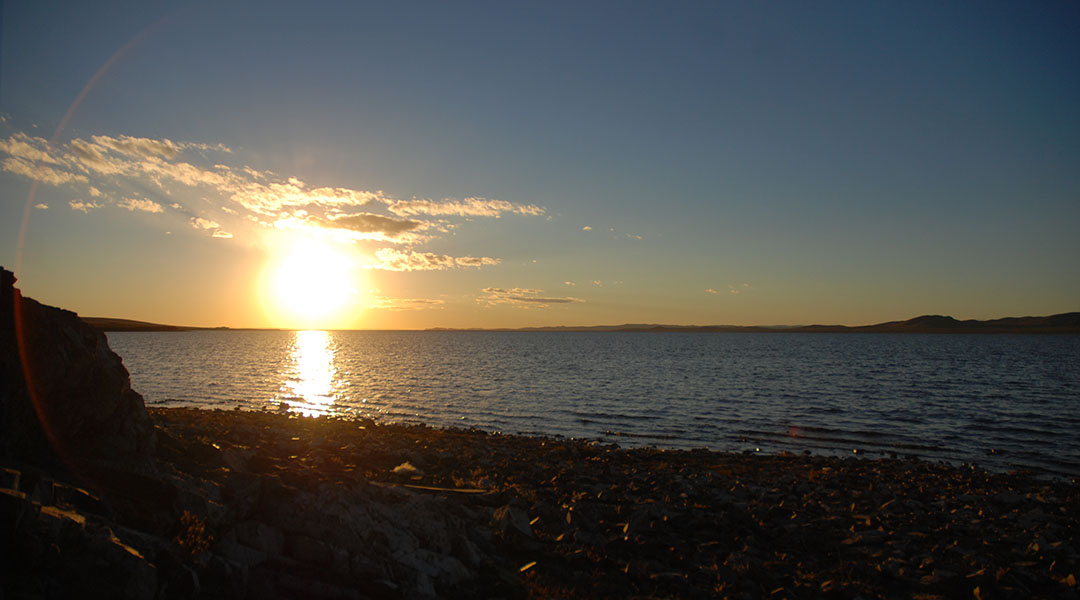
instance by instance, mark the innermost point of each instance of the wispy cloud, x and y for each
(24, 147)
(41, 172)
(469, 207)
(41, 206)
(522, 297)
(711, 291)
(201, 223)
(83, 206)
(145, 147)
(400, 304)
(391, 259)
(197, 181)
(373, 226)
(476, 261)
(140, 204)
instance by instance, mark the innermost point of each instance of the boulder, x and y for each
(65, 397)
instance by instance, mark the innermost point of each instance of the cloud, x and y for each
(390, 259)
(270, 199)
(139, 147)
(201, 223)
(89, 158)
(373, 223)
(145, 147)
(469, 207)
(570, 283)
(634, 236)
(400, 304)
(134, 204)
(711, 291)
(85, 207)
(44, 174)
(222, 234)
(195, 179)
(522, 297)
(41, 206)
(477, 261)
(32, 149)
(587, 228)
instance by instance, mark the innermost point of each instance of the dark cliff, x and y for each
(65, 397)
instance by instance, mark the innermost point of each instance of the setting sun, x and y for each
(311, 284)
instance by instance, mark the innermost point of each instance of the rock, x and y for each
(510, 521)
(14, 506)
(261, 537)
(79, 499)
(442, 568)
(89, 414)
(589, 539)
(241, 554)
(1008, 498)
(302, 587)
(308, 550)
(183, 585)
(124, 565)
(9, 479)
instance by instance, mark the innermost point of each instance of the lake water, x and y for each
(999, 401)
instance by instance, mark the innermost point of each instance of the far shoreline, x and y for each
(1064, 323)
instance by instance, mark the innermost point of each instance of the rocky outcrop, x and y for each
(65, 396)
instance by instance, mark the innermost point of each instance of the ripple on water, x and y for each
(1000, 401)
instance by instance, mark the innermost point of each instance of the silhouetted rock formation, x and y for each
(65, 394)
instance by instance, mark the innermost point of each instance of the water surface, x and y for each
(1000, 401)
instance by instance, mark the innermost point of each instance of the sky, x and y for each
(415, 165)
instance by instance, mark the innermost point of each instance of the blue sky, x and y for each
(507, 165)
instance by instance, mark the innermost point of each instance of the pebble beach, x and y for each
(339, 508)
(577, 519)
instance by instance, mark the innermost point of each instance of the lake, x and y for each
(999, 401)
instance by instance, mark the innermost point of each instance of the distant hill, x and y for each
(1063, 323)
(109, 324)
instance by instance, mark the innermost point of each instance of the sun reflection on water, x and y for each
(310, 387)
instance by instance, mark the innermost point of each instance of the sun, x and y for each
(311, 284)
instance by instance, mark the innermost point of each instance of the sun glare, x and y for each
(311, 285)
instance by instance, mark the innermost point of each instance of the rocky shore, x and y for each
(261, 505)
(101, 498)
